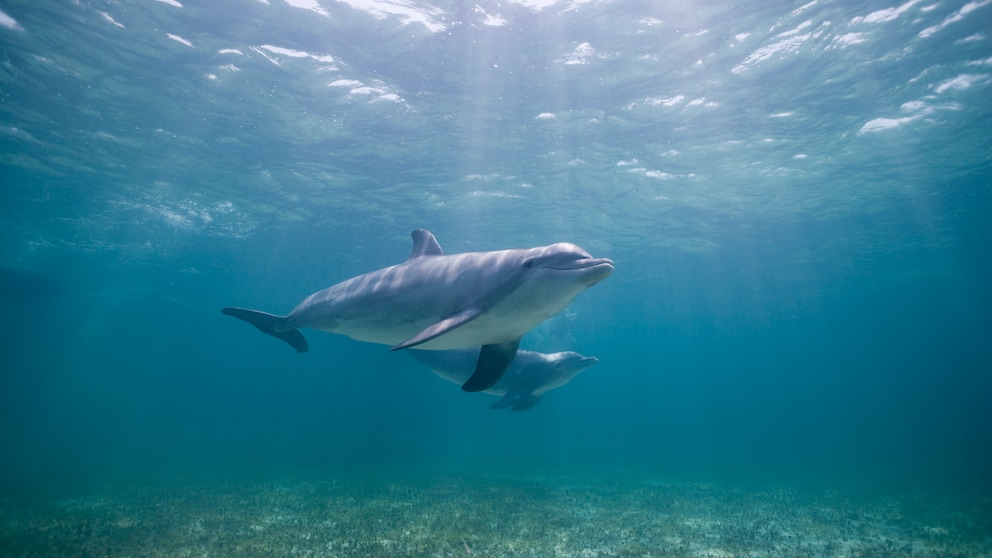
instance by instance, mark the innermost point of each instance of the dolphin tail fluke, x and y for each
(270, 324)
(493, 361)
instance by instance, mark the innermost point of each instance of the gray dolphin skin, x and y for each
(529, 376)
(434, 301)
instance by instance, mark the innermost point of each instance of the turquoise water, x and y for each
(796, 197)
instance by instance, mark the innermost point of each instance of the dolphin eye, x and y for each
(528, 263)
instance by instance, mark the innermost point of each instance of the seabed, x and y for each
(491, 516)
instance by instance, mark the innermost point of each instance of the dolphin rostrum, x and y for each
(529, 376)
(434, 301)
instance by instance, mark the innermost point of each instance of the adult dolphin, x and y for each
(529, 376)
(434, 301)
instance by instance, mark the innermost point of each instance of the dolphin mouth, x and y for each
(586, 263)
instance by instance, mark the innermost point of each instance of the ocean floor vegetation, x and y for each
(492, 517)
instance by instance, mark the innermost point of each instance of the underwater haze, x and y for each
(794, 350)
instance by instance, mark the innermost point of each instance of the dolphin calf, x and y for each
(434, 301)
(528, 377)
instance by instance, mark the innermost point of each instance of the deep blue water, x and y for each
(796, 196)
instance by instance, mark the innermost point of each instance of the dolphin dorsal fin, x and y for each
(424, 244)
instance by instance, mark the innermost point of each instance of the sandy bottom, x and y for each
(492, 516)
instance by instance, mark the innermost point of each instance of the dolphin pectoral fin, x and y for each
(270, 324)
(493, 361)
(519, 400)
(440, 328)
(511, 398)
(527, 403)
(504, 402)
